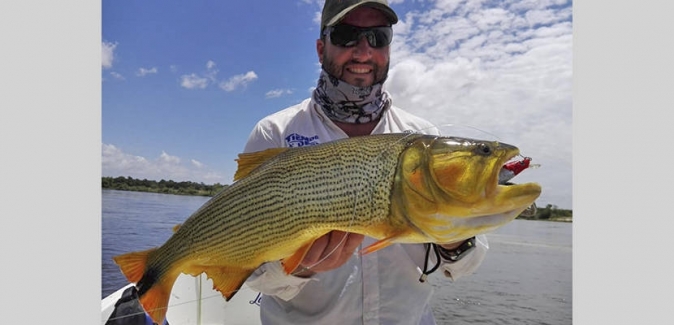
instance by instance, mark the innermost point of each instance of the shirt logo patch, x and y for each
(298, 140)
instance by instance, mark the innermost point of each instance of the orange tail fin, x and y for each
(155, 300)
(154, 292)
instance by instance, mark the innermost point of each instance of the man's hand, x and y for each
(328, 252)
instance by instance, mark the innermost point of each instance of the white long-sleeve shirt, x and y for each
(378, 288)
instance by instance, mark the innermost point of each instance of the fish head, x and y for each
(450, 191)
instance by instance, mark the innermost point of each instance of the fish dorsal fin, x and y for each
(176, 227)
(247, 162)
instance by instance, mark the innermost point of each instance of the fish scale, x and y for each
(408, 188)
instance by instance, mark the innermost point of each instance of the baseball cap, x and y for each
(335, 10)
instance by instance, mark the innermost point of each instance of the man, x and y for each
(333, 285)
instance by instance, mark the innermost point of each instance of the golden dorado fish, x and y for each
(397, 188)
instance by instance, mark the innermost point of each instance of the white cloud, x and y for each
(193, 81)
(142, 71)
(200, 81)
(211, 72)
(500, 71)
(107, 54)
(277, 93)
(168, 159)
(116, 162)
(117, 75)
(238, 81)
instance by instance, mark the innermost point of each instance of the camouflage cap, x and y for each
(335, 10)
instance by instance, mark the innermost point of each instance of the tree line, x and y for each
(549, 212)
(163, 186)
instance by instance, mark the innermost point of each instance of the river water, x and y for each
(526, 277)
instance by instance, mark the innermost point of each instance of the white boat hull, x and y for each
(194, 302)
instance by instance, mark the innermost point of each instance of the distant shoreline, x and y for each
(557, 219)
(163, 186)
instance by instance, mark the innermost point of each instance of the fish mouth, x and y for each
(506, 200)
(515, 198)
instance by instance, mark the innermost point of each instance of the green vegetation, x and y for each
(549, 213)
(163, 186)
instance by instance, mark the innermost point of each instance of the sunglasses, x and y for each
(348, 36)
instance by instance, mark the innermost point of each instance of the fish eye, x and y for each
(483, 149)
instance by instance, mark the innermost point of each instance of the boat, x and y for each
(193, 302)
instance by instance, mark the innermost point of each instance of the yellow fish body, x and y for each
(397, 188)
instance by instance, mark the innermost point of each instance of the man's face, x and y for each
(360, 65)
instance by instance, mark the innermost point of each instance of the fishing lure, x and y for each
(512, 169)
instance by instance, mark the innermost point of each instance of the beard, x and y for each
(380, 72)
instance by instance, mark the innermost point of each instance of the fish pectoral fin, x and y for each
(379, 245)
(133, 264)
(292, 262)
(247, 162)
(228, 280)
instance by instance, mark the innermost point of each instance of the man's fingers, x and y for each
(335, 244)
(331, 250)
(353, 242)
(316, 251)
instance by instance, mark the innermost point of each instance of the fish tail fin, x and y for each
(153, 289)
(155, 300)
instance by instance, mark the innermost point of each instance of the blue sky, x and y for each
(183, 82)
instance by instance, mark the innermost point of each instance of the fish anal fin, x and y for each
(247, 162)
(292, 262)
(133, 264)
(228, 280)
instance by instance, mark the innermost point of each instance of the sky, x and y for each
(184, 82)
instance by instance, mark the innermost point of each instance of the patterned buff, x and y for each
(350, 104)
